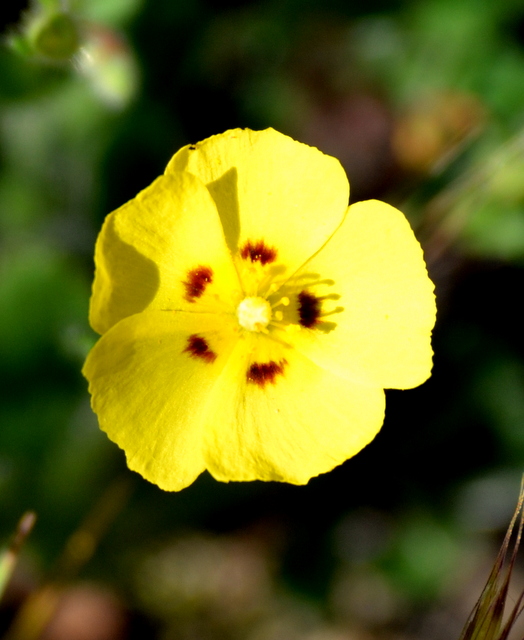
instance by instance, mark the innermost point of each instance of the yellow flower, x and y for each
(250, 320)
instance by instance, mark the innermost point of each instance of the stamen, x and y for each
(312, 280)
(267, 285)
(284, 301)
(281, 325)
(271, 336)
(330, 313)
(330, 296)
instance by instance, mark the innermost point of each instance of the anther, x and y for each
(282, 301)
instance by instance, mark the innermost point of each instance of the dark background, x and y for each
(423, 103)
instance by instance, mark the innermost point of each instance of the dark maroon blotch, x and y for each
(199, 348)
(308, 309)
(258, 252)
(262, 373)
(197, 281)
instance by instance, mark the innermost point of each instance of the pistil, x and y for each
(254, 314)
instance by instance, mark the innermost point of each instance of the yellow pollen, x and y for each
(254, 314)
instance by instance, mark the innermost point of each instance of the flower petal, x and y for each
(159, 249)
(284, 418)
(380, 297)
(269, 189)
(150, 379)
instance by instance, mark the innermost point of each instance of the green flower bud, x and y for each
(56, 36)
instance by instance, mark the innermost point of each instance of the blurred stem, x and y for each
(39, 608)
(485, 621)
(446, 215)
(9, 557)
(82, 544)
(51, 5)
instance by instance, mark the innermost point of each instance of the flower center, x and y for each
(254, 313)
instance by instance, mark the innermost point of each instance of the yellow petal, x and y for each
(180, 393)
(151, 378)
(269, 188)
(176, 381)
(380, 298)
(158, 250)
(281, 417)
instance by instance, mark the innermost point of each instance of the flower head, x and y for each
(250, 319)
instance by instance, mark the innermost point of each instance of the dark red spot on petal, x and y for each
(258, 252)
(199, 348)
(308, 309)
(197, 281)
(262, 373)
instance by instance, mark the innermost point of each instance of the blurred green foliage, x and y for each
(423, 102)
